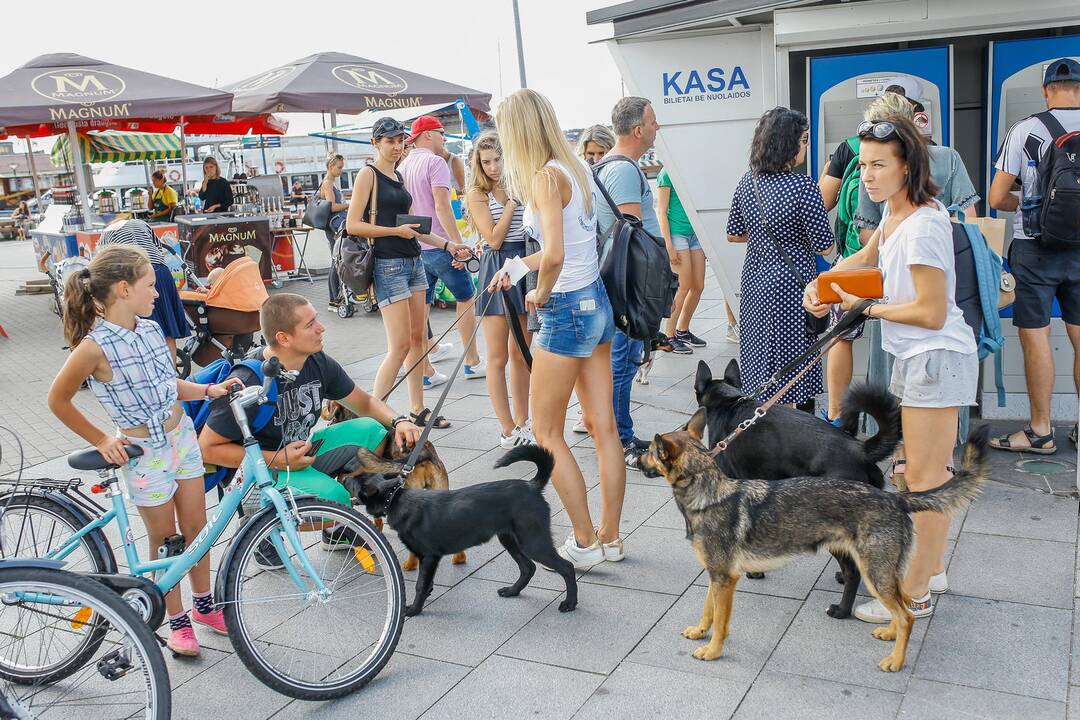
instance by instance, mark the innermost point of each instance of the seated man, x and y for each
(294, 334)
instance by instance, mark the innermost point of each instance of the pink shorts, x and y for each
(151, 478)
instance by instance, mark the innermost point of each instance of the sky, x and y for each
(461, 42)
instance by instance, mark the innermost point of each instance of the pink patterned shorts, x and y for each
(151, 478)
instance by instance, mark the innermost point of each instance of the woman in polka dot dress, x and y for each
(771, 318)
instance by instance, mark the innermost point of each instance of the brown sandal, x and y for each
(1036, 443)
(421, 419)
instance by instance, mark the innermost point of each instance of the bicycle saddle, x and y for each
(92, 459)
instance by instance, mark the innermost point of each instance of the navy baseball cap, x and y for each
(1065, 69)
(386, 127)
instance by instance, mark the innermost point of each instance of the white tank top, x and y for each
(580, 263)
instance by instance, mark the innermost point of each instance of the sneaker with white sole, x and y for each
(614, 550)
(732, 335)
(441, 352)
(478, 370)
(581, 558)
(516, 437)
(939, 583)
(435, 380)
(874, 612)
(579, 426)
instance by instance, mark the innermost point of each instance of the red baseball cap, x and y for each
(423, 124)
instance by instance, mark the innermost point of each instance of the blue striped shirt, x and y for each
(143, 388)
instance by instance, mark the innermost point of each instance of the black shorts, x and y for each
(1042, 275)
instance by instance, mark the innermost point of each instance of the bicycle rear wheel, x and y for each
(302, 645)
(43, 612)
(32, 525)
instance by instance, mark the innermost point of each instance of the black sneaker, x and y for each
(340, 537)
(267, 557)
(632, 454)
(689, 338)
(679, 346)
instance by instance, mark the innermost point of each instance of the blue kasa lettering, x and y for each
(675, 83)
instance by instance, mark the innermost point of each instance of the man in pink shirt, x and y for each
(427, 178)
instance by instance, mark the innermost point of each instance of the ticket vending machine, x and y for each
(839, 88)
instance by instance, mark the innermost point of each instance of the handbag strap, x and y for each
(768, 231)
(373, 208)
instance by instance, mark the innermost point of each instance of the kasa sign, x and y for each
(710, 85)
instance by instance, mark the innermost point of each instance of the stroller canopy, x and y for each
(240, 287)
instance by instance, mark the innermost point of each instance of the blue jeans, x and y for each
(625, 356)
(439, 266)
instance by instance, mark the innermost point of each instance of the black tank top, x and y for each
(393, 200)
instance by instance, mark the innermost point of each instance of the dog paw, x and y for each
(839, 577)
(413, 610)
(695, 632)
(886, 633)
(411, 563)
(835, 611)
(458, 559)
(891, 664)
(755, 576)
(567, 606)
(508, 591)
(705, 652)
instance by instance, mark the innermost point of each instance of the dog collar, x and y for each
(393, 496)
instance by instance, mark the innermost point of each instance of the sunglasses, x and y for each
(878, 130)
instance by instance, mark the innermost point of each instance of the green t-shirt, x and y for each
(680, 224)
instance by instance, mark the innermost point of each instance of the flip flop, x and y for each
(421, 419)
(1036, 443)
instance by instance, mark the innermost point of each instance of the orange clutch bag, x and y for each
(861, 282)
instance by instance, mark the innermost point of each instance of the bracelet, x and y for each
(399, 419)
(206, 392)
(445, 245)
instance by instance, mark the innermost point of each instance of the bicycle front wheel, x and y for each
(43, 613)
(299, 642)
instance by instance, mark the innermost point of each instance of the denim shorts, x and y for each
(396, 279)
(686, 242)
(458, 281)
(573, 323)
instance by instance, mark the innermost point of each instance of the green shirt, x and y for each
(680, 224)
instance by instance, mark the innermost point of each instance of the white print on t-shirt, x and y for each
(298, 410)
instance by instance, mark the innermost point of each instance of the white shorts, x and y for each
(151, 478)
(936, 379)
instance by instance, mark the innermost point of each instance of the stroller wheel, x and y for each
(345, 310)
(183, 364)
(369, 304)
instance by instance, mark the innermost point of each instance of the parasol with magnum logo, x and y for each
(345, 83)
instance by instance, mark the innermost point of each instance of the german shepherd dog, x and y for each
(787, 442)
(433, 524)
(429, 473)
(741, 526)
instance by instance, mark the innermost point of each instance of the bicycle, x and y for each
(280, 620)
(44, 611)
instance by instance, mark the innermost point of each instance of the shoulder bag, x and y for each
(354, 257)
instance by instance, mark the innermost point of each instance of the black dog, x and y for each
(787, 443)
(435, 523)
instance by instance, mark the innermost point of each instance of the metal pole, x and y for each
(80, 179)
(33, 175)
(333, 124)
(183, 166)
(262, 147)
(520, 49)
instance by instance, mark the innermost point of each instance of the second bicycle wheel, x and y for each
(296, 642)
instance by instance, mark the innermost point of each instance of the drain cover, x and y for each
(1045, 467)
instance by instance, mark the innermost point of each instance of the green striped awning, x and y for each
(112, 146)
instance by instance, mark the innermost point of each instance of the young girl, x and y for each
(937, 367)
(132, 375)
(497, 218)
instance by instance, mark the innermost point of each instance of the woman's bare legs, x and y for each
(520, 376)
(406, 339)
(496, 331)
(594, 390)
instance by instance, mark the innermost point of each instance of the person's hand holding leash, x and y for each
(533, 300)
(406, 434)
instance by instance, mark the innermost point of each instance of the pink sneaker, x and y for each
(215, 620)
(184, 642)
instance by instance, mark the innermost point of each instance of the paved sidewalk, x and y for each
(1000, 645)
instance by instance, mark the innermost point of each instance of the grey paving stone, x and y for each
(1039, 572)
(667, 516)
(844, 651)
(405, 688)
(794, 580)
(503, 687)
(927, 700)
(470, 621)
(827, 580)
(757, 624)
(1023, 513)
(657, 559)
(504, 570)
(777, 696)
(470, 407)
(202, 696)
(640, 691)
(479, 434)
(607, 624)
(454, 458)
(639, 504)
(1021, 649)
(448, 573)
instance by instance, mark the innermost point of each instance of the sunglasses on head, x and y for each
(878, 130)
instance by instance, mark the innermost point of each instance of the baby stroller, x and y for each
(224, 319)
(58, 275)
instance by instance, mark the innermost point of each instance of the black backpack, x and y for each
(635, 268)
(1059, 185)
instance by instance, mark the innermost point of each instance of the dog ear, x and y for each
(661, 451)
(696, 426)
(702, 379)
(732, 376)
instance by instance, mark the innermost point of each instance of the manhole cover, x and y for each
(1045, 467)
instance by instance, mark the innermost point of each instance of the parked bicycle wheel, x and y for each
(31, 525)
(302, 645)
(45, 615)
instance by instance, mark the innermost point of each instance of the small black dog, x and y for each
(787, 443)
(434, 523)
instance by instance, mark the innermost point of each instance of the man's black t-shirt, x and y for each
(298, 406)
(839, 160)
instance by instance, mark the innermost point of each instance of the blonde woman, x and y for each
(215, 191)
(594, 143)
(498, 220)
(330, 192)
(572, 350)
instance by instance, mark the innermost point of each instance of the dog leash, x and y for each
(851, 319)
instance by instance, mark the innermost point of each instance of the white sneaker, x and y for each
(581, 558)
(613, 551)
(732, 335)
(874, 612)
(579, 426)
(939, 583)
(478, 370)
(526, 430)
(441, 352)
(515, 438)
(435, 380)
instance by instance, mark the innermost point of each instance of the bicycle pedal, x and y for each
(173, 545)
(114, 665)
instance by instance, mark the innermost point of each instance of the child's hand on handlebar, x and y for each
(112, 449)
(222, 388)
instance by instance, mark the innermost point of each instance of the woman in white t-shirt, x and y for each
(572, 350)
(937, 366)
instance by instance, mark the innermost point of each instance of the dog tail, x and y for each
(535, 454)
(879, 404)
(965, 485)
